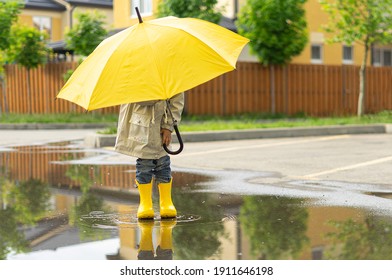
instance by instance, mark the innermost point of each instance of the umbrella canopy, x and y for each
(153, 60)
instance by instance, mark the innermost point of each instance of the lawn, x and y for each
(207, 123)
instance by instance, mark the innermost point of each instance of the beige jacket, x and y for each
(139, 126)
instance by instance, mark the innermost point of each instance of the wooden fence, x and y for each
(317, 90)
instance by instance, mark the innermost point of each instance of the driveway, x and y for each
(343, 170)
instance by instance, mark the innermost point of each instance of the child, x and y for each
(142, 130)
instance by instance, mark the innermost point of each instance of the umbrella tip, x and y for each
(138, 15)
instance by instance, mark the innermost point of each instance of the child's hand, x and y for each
(166, 136)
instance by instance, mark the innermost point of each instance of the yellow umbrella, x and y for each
(153, 60)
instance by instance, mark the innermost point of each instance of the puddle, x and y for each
(100, 219)
(56, 203)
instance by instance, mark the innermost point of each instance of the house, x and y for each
(125, 16)
(57, 16)
(317, 50)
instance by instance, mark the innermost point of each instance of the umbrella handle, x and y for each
(179, 141)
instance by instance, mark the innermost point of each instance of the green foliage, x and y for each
(60, 118)
(205, 9)
(276, 226)
(87, 226)
(86, 35)
(277, 29)
(370, 239)
(22, 204)
(362, 21)
(9, 12)
(31, 200)
(28, 46)
(207, 123)
(202, 241)
(68, 74)
(84, 176)
(11, 239)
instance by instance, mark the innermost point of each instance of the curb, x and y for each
(98, 140)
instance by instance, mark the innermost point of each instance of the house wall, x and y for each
(332, 53)
(26, 18)
(316, 18)
(122, 13)
(61, 19)
(107, 12)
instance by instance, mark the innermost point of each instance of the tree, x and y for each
(365, 22)
(28, 49)
(277, 31)
(204, 240)
(205, 9)
(370, 239)
(276, 226)
(86, 35)
(9, 12)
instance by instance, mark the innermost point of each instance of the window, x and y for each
(317, 253)
(316, 54)
(347, 55)
(145, 7)
(43, 24)
(382, 57)
(387, 58)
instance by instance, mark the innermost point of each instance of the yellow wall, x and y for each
(26, 18)
(120, 17)
(122, 13)
(316, 18)
(332, 53)
(108, 13)
(60, 19)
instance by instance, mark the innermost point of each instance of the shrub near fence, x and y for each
(317, 90)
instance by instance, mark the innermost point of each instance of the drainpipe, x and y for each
(235, 9)
(69, 9)
(71, 16)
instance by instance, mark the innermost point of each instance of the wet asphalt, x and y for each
(339, 170)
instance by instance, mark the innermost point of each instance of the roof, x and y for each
(53, 5)
(61, 46)
(57, 46)
(43, 5)
(228, 23)
(95, 3)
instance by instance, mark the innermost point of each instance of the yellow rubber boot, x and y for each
(167, 208)
(145, 210)
(165, 248)
(146, 246)
(166, 242)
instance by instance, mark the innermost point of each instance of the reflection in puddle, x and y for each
(53, 208)
(99, 219)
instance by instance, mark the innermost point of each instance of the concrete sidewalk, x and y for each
(95, 140)
(20, 133)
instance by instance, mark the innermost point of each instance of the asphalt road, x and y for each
(344, 170)
(355, 158)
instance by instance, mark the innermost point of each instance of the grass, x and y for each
(59, 118)
(277, 121)
(206, 123)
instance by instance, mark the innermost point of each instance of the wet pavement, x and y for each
(326, 197)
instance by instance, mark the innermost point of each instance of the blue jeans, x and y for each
(159, 168)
